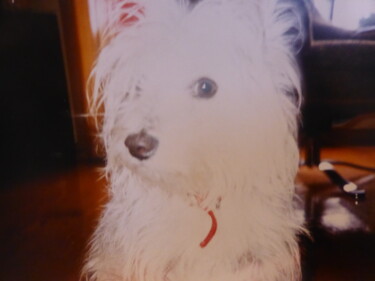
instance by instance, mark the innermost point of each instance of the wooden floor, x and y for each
(45, 224)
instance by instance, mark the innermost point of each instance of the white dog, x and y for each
(200, 132)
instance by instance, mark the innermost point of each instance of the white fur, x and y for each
(236, 151)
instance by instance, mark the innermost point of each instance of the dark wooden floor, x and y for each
(45, 224)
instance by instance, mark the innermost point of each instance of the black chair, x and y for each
(339, 94)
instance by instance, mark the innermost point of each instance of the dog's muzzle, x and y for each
(141, 145)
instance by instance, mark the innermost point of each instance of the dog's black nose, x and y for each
(141, 145)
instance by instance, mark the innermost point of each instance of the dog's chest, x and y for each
(172, 231)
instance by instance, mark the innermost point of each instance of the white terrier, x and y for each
(200, 133)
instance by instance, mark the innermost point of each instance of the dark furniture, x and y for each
(339, 88)
(35, 120)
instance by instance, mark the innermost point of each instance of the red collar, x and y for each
(213, 228)
(212, 231)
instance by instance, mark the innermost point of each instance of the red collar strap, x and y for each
(212, 231)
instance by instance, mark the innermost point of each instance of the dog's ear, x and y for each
(284, 38)
(287, 22)
(109, 17)
(296, 33)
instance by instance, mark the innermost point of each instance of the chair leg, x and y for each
(312, 153)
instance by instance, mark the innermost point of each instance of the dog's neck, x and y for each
(211, 213)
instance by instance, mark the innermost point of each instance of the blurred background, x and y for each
(48, 157)
(46, 54)
(51, 184)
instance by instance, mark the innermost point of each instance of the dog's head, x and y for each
(192, 88)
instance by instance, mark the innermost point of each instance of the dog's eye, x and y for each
(205, 88)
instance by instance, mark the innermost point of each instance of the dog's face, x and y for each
(197, 98)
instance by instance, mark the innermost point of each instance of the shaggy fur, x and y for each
(234, 153)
